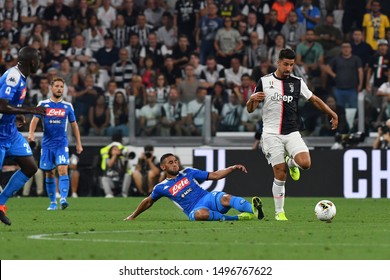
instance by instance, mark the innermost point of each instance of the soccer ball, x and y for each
(325, 210)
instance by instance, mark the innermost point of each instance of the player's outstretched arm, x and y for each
(145, 204)
(254, 101)
(222, 173)
(321, 105)
(5, 108)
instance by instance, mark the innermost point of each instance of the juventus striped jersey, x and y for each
(280, 110)
(13, 88)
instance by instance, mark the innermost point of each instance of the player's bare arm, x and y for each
(32, 128)
(5, 108)
(145, 204)
(321, 105)
(219, 174)
(254, 101)
(76, 133)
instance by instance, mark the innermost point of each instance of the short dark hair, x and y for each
(27, 54)
(164, 156)
(287, 53)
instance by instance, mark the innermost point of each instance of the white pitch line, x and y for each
(61, 236)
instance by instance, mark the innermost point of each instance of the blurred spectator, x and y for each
(129, 12)
(383, 139)
(354, 11)
(329, 36)
(293, 31)
(272, 28)
(230, 118)
(153, 13)
(189, 84)
(186, 19)
(384, 93)
(212, 73)
(166, 34)
(108, 54)
(360, 48)
(162, 89)
(171, 72)
(149, 72)
(137, 89)
(196, 114)
(42, 93)
(61, 32)
(10, 12)
(82, 13)
(181, 52)
(230, 8)
(120, 32)
(39, 33)
(308, 14)
(149, 115)
(119, 115)
(227, 42)
(155, 50)
(110, 93)
(309, 60)
(254, 52)
(263, 68)
(283, 7)
(100, 76)
(74, 175)
(219, 96)
(377, 70)
(251, 121)
(326, 125)
(261, 9)
(375, 24)
(347, 71)
(99, 117)
(273, 52)
(134, 49)
(79, 54)
(70, 75)
(147, 171)
(10, 32)
(94, 34)
(54, 12)
(174, 116)
(142, 29)
(195, 62)
(208, 27)
(7, 50)
(55, 56)
(106, 14)
(235, 72)
(244, 90)
(30, 15)
(244, 34)
(123, 70)
(255, 26)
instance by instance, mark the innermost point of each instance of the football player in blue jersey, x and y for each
(182, 187)
(55, 151)
(12, 142)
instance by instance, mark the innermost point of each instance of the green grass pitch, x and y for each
(93, 229)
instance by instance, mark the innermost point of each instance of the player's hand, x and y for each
(40, 110)
(79, 149)
(335, 122)
(257, 96)
(240, 167)
(20, 120)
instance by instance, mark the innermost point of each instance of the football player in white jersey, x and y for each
(281, 141)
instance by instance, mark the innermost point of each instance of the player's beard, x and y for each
(173, 172)
(57, 95)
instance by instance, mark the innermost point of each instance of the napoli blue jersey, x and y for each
(55, 123)
(184, 189)
(13, 88)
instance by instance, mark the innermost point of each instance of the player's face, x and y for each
(285, 67)
(171, 166)
(57, 89)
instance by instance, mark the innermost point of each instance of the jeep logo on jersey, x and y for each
(279, 97)
(179, 186)
(55, 112)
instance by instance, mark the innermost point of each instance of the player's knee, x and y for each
(225, 199)
(305, 163)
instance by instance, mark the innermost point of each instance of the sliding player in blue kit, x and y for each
(12, 142)
(55, 151)
(183, 188)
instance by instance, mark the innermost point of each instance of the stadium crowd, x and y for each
(170, 54)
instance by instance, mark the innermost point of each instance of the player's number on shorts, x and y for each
(27, 146)
(62, 159)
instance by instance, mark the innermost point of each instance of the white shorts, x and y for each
(276, 146)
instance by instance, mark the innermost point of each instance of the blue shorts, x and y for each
(211, 201)
(14, 147)
(51, 158)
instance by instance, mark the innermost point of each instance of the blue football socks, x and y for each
(15, 183)
(51, 189)
(240, 204)
(63, 186)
